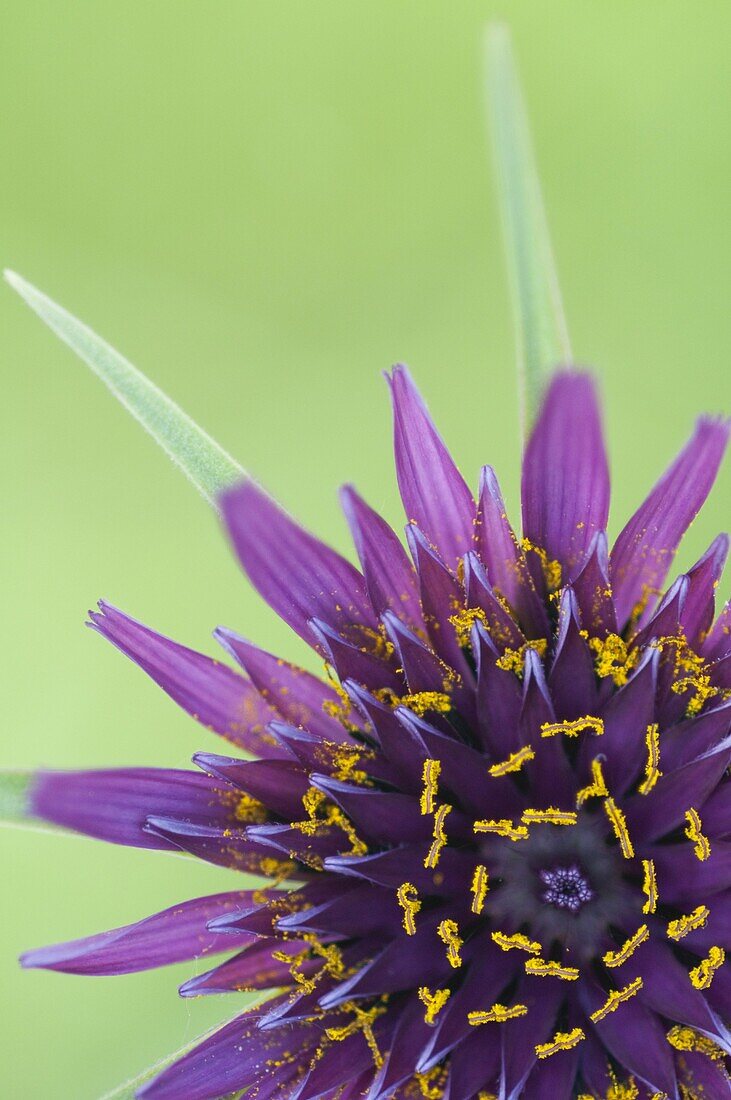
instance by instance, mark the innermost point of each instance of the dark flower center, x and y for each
(566, 888)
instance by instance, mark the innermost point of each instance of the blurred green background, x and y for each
(263, 205)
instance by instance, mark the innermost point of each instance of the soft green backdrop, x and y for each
(263, 205)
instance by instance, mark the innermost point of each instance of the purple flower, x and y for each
(496, 834)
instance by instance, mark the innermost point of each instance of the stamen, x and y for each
(432, 1083)
(316, 804)
(408, 899)
(615, 999)
(434, 1002)
(701, 976)
(616, 958)
(364, 1020)
(613, 658)
(551, 816)
(503, 827)
(539, 968)
(685, 1038)
(652, 769)
(498, 1014)
(448, 932)
(463, 622)
(597, 788)
(514, 763)
(513, 660)
(430, 777)
(562, 1040)
(619, 825)
(649, 886)
(702, 845)
(683, 925)
(573, 728)
(479, 888)
(551, 569)
(519, 941)
(440, 837)
(424, 701)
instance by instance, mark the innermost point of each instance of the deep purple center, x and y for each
(566, 888)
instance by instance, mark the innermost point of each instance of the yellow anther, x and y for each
(701, 976)
(497, 1014)
(440, 837)
(408, 899)
(649, 886)
(364, 1020)
(503, 827)
(685, 1038)
(424, 701)
(619, 825)
(479, 888)
(562, 1040)
(690, 923)
(612, 657)
(463, 622)
(551, 569)
(514, 763)
(432, 1083)
(434, 1002)
(616, 958)
(652, 767)
(516, 942)
(448, 932)
(551, 816)
(573, 728)
(539, 968)
(322, 813)
(627, 1090)
(702, 845)
(597, 788)
(615, 999)
(430, 777)
(513, 660)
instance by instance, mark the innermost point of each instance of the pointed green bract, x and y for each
(207, 465)
(542, 337)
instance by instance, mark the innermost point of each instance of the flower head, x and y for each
(494, 835)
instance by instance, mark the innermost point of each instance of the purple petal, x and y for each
(221, 845)
(397, 746)
(377, 815)
(410, 1036)
(718, 643)
(683, 879)
(519, 1041)
(593, 591)
(253, 968)
(565, 473)
(354, 662)
(175, 935)
(498, 698)
(299, 577)
(422, 668)
(572, 681)
(296, 695)
(504, 631)
(114, 805)
(645, 549)
(699, 1076)
(441, 597)
(278, 784)
(435, 495)
(389, 575)
(213, 694)
(695, 736)
(703, 581)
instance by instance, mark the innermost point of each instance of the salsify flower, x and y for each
(494, 836)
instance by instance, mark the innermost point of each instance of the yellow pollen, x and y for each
(364, 1020)
(562, 1040)
(479, 888)
(503, 827)
(619, 825)
(652, 768)
(701, 976)
(685, 1038)
(597, 788)
(616, 958)
(432, 1083)
(649, 886)
(463, 622)
(497, 1014)
(249, 809)
(448, 933)
(321, 813)
(679, 928)
(517, 941)
(539, 968)
(424, 701)
(702, 845)
(513, 660)
(551, 569)
(408, 899)
(514, 763)
(615, 999)
(612, 657)
(430, 777)
(440, 837)
(551, 816)
(627, 1090)
(573, 728)
(434, 1002)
